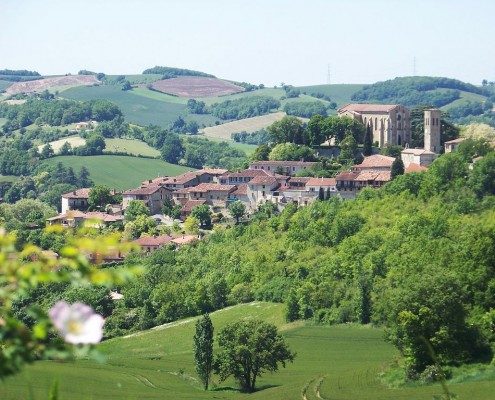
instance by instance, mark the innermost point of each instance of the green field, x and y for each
(135, 79)
(8, 178)
(2, 121)
(4, 85)
(343, 361)
(465, 97)
(276, 93)
(137, 108)
(246, 148)
(153, 94)
(130, 146)
(120, 172)
(340, 93)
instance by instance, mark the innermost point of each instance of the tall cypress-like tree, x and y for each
(368, 142)
(397, 168)
(203, 349)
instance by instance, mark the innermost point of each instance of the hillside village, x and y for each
(247, 200)
(268, 181)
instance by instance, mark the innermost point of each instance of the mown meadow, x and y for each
(333, 362)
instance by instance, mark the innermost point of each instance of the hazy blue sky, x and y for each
(260, 41)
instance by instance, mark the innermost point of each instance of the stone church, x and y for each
(390, 123)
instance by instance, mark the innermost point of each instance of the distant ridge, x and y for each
(171, 72)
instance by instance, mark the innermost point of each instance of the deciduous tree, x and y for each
(248, 349)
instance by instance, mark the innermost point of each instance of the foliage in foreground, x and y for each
(22, 272)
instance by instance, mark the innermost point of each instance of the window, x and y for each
(376, 123)
(293, 169)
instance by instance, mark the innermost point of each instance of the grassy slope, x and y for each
(152, 94)
(465, 96)
(224, 131)
(74, 141)
(2, 121)
(340, 93)
(8, 178)
(246, 148)
(131, 146)
(147, 365)
(137, 108)
(276, 93)
(120, 172)
(5, 84)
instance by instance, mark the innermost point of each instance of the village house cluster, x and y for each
(270, 181)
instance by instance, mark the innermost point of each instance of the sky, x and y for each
(257, 41)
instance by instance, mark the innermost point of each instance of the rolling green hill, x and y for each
(333, 362)
(138, 109)
(340, 93)
(119, 172)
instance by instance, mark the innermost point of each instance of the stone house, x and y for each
(152, 195)
(417, 156)
(288, 168)
(75, 200)
(452, 145)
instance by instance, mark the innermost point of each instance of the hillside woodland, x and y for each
(336, 261)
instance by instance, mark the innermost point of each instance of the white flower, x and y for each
(77, 323)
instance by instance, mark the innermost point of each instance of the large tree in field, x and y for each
(248, 349)
(203, 349)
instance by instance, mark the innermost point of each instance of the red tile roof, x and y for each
(376, 161)
(321, 182)
(156, 181)
(186, 239)
(183, 178)
(190, 204)
(283, 163)
(77, 194)
(103, 216)
(149, 189)
(366, 176)
(347, 176)
(210, 187)
(215, 171)
(263, 180)
(153, 240)
(364, 108)
(413, 167)
(247, 173)
(240, 191)
(384, 176)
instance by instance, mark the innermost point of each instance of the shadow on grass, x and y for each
(236, 389)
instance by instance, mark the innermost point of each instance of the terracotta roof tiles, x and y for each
(363, 108)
